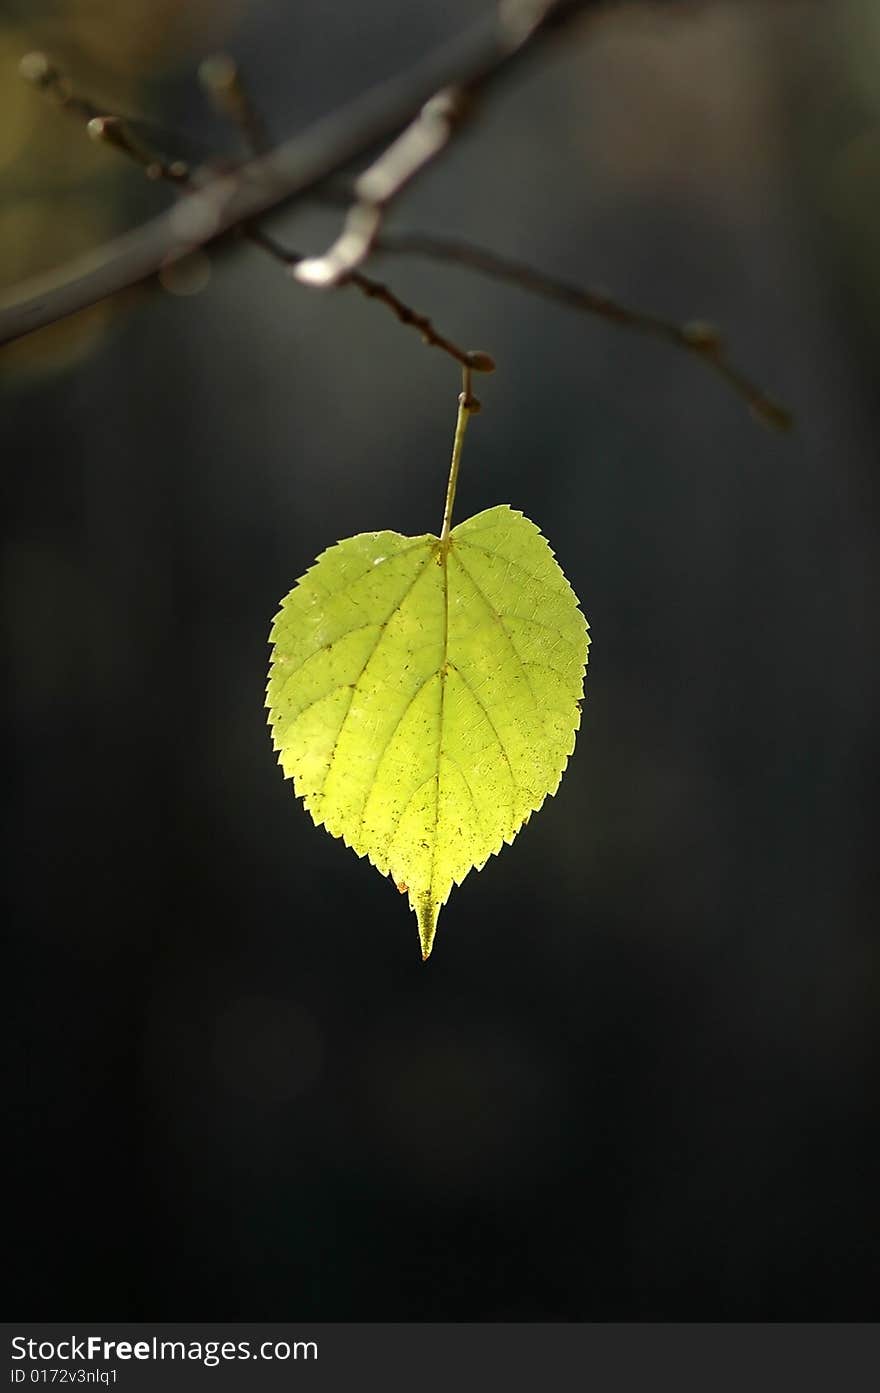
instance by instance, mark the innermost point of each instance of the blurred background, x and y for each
(637, 1079)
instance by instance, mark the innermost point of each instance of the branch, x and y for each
(697, 338)
(470, 359)
(222, 79)
(477, 60)
(420, 143)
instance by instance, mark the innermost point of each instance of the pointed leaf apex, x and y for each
(427, 913)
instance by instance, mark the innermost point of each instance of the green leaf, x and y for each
(424, 696)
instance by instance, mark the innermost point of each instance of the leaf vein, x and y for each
(386, 747)
(368, 570)
(404, 810)
(500, 743)
(316, 653)
(383, 629)
(499, 556)
(281, 740)
(467, 783)
(502, 627)
(550, 628)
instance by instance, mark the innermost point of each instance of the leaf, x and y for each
(424, 696)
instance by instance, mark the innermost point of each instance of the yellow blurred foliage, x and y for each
(17, 105)
(59, 192)
(36, 234)
(134, 36)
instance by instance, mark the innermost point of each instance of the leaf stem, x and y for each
(467, 406)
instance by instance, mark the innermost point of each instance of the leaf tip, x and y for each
(427, 913)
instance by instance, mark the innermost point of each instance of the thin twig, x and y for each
(416, 147)
(116, 131)
(697, 338)
(124, 132)
(36, 69)
(478, 59)
(222, 79)
(419, 144)
(376, 290)
(469, 359)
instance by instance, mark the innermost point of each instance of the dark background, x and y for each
(637, 1078)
